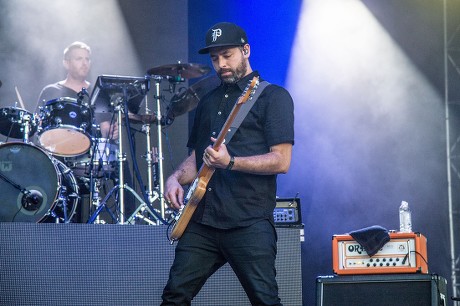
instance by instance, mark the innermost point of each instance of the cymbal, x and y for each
(188, 71)
(187, 100)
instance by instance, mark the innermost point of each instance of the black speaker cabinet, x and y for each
(381, 290)
(94, 264)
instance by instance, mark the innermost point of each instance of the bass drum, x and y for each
(35, 187)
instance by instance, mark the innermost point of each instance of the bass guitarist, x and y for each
(233, 221)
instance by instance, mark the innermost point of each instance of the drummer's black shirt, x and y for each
(236, 199)
(58, 91)
(55, 91)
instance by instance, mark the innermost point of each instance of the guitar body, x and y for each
(194, 196)
(198, 187)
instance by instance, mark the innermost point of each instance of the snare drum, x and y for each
(103, 155)
(65, 127)
(26, 169)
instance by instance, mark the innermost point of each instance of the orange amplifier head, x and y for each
(404, 253)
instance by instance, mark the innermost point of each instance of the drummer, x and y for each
(77, 63)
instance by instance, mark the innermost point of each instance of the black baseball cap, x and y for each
(224, 34)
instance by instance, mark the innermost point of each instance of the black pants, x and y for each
(202, 250)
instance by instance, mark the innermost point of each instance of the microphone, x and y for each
(85, 91)
(32, 200)
(81, 95)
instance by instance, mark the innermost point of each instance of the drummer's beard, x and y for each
(237, 74)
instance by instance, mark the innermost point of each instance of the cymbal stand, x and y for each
(160, 148)
(151, 158)
(153, 194)
(119, 108)
(121, 159)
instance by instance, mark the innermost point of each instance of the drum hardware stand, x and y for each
(120, 102)
(95, 199)
(95, 182)
(103, 205)
(152, 171)
(64, 196)
(25, 118)
(160, 148)
(153, 160)
(151, 157)
(139, 212)
(121, 159)
(26, 127)
(63, 202)
(25, 122)
(120, 107)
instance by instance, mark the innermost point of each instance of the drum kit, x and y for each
(60, 145)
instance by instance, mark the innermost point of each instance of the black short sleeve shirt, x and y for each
(236, 199)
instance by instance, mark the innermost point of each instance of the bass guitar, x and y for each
(197, 189)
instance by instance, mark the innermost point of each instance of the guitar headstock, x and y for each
(249, 90)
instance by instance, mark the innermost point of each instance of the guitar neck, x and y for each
(228, 123)
(227, 126)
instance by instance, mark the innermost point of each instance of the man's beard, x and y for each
(237, 74)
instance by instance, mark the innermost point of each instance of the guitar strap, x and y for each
(244, 110)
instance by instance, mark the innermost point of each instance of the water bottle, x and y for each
(405, 218)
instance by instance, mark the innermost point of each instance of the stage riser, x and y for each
(90, 264)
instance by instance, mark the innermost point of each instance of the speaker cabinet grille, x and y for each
(91, 264)
(381, 290)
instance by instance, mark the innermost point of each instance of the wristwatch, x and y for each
(230, 164)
